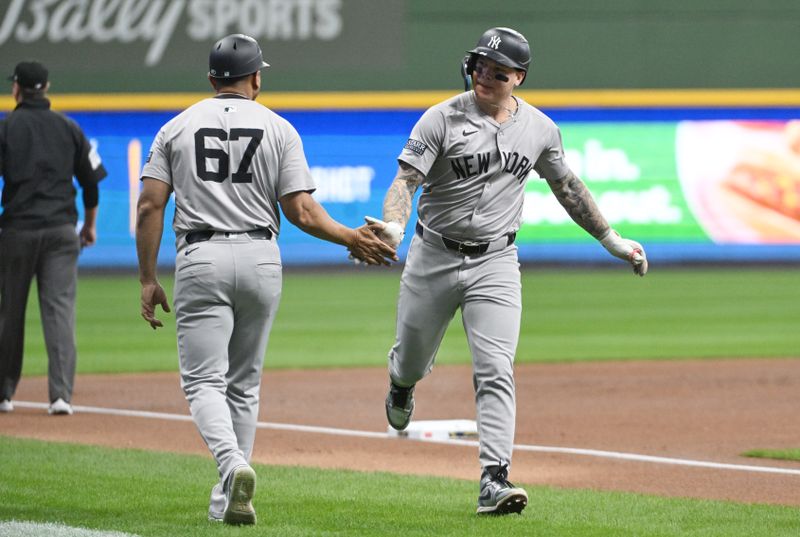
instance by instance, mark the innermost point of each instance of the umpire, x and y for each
(40, 153)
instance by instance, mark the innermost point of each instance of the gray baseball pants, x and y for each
(435, 282)
(51, 255)
(227, 291)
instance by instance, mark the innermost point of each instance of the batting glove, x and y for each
(391, 233)
(630, 251)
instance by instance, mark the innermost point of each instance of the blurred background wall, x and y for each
(682, 116)
(323, 45)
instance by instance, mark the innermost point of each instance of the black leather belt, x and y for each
(202, 235)
(465, 248)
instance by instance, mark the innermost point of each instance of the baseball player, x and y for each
(230, 162)
(472, 155)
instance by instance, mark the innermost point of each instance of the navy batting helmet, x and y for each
(234, 56)
(505, 46)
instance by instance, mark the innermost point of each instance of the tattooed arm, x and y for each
(400, 196)
(576, 199)
(573, 195)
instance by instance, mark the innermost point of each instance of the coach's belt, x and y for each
(466, 247)
(201, 235)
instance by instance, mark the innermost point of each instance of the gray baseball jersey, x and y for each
(476, 168)
(228, 160)
(475, 171)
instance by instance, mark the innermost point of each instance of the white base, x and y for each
(438, 430)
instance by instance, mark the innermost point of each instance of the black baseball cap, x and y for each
(30, 74)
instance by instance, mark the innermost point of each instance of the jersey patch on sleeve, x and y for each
(94, 156)
(416, 146)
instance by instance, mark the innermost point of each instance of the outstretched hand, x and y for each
(629, 250)
(368, 248)
(152, 295)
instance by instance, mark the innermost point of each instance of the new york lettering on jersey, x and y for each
(470, 165)
(516, 164)
(474, 165)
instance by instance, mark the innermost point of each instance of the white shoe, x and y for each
(6, 406)
(59, 407)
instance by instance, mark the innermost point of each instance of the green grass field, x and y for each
(346, 319)
(777, 454)
(163, 495)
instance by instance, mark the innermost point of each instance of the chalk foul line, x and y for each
(456, 442)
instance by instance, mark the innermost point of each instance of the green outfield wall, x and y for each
(367, 45)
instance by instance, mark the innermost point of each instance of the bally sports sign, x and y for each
(156, 21)
(105, 41)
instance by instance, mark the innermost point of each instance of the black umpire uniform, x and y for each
(40, 153)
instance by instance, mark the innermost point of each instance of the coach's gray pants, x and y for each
(436, 282)
(50, 254)
(227, 292)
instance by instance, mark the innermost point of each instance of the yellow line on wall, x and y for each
(666, 98)
(416, 100)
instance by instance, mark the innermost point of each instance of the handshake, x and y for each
(390, 233)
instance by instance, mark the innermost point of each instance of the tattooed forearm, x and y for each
(400, 196)
(573, 195)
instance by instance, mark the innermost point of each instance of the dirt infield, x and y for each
(696, 410)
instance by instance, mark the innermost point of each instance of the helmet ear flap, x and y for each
(469, 62)
(467, 68)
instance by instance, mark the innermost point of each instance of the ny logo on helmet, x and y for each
(494, 42)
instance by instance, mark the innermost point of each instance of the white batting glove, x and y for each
(626, 249)
(392, 232)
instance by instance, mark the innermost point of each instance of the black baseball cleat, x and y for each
(498, 495)
(399, 406)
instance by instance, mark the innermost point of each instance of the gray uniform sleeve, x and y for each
(425, 143)
(294, 173)
(157, 164)
(551, 164)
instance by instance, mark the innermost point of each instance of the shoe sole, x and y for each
(512, 504)
(240, 509)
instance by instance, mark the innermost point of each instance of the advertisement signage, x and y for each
(160, 45)
(631, 171)
(690, 190)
